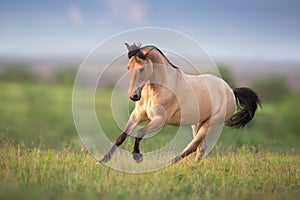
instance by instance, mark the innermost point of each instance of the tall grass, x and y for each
(45, 173)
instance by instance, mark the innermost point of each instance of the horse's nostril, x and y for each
(135, 97)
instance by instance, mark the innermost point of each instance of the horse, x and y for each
(165, 95)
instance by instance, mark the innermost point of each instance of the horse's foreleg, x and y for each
(137, 156)
(155, 124)
(131, 124)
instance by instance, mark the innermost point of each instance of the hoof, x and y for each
(203, 150)
(202, 156)
(106, 158)
(175, 160)
(138, 157)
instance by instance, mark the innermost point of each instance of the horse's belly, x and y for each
(191, 117)
(184, 117)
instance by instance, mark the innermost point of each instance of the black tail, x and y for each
(247, 101)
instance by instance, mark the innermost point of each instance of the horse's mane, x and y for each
(135, 49)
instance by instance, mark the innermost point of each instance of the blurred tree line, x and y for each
(272, 87)
(269, 87)
(16, 72)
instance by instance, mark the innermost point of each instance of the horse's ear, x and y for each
(128, 46)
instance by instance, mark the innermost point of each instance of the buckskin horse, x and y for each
(164, 95)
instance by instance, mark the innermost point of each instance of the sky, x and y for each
(228, 29)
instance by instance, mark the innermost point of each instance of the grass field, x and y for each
(41, 173)
(42, 158)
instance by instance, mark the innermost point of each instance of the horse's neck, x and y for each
(160, 68)
(159, 74)
(164, 76)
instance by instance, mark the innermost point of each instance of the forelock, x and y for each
(135, 49)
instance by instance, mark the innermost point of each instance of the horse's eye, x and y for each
(141, 69)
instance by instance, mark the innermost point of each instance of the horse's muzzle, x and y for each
(135, 97)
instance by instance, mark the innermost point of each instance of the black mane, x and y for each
(135, 50)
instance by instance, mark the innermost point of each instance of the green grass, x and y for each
(34, 114)
(42, 173)
(41, 156)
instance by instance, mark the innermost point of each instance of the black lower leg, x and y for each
(137, 156)
(118, 142)
(184, 154)
(203, 149)
(136, 148)
(121, 139)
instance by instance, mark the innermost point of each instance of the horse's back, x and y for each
(215, 97)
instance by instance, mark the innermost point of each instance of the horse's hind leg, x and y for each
(197, 140)
(200, 151)
(195, 129)
(202, 147)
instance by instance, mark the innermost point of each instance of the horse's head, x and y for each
(140, 68)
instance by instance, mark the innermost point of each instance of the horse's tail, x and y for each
(247, 101)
